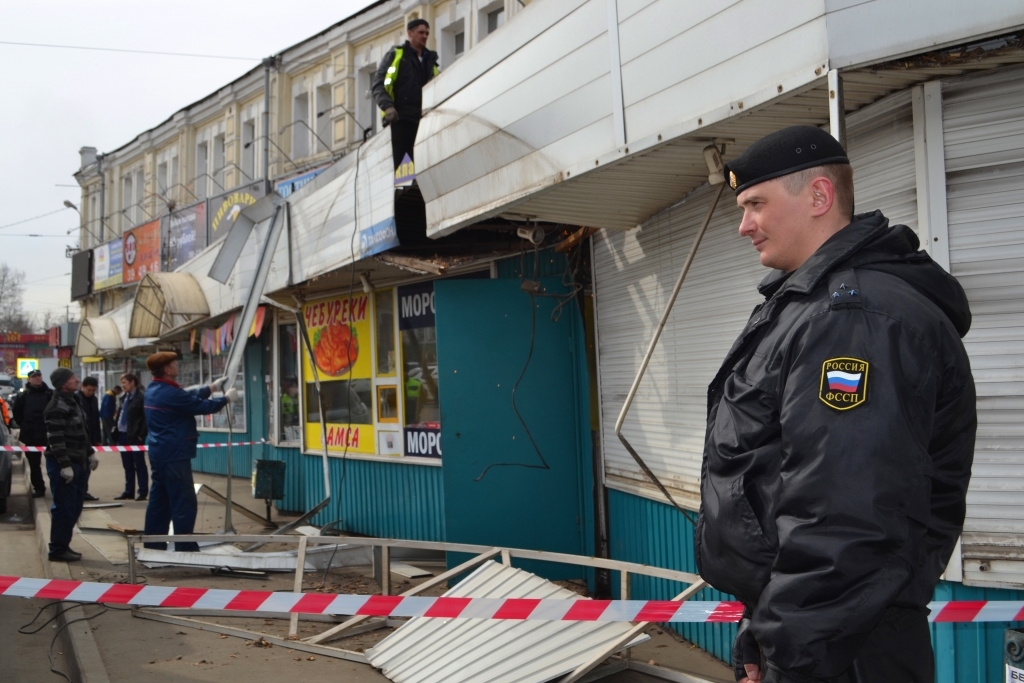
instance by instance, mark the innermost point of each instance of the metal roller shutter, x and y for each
(983, 129)
(634, 274)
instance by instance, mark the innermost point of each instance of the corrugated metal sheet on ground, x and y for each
(495, 651)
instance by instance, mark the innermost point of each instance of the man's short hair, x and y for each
(131, 377)
(841, 176)
(90, 382)
(411, 26)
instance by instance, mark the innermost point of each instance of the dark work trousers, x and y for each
(35, 469)
(898, 650)
(134, 464)
(403, 137)
(67, 504)
(173, 499)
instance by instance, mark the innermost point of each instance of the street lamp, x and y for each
(71, 205)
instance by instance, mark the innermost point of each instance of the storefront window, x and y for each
(422, 419)
(288, 374)
(384, 305)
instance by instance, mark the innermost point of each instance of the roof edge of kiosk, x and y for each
(98, 336)
(160, 297)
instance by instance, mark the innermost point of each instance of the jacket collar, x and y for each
(170, 382)
(838, 248)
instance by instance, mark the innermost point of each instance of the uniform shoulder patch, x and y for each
(844, 382)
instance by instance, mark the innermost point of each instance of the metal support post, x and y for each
(836, 107)
(382, 568)
(300, 565)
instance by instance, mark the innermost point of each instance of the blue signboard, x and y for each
(286, 187)
(416, 306)
(377, 238)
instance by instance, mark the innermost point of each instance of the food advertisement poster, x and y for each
(339, 333)
(141, 251)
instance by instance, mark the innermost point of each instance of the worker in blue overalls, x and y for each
(172, 439)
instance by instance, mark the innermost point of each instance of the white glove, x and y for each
(231, 395)
(218, 384)
(94, 462)
(67, 474)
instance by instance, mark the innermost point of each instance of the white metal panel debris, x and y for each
(231, 557)
(342, 215)
(493, 651)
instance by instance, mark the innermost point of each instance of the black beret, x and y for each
(783, 152)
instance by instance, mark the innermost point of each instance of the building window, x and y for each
(126, 202)
(138, 213)
(300, 126)
(173, 191)
(323, 123)
(384, 315)
(460, 43)
(201, 369)
(249, 149)
(202, 159)
(219, 163)
(161, 179)
(495, 20)
(288, 376)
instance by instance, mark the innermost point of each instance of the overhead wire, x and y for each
(34, 218)
(130, 51)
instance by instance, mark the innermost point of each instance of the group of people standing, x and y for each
(70, 422)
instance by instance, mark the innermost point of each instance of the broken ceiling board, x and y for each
(489, 650)
(110, 545)
(95, 520)
(231, 557)
(408, 571)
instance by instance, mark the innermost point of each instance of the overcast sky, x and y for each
(56, 101)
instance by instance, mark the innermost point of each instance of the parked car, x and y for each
(7, 387)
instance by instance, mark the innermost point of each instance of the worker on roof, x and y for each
(398, 84)
(172, 437)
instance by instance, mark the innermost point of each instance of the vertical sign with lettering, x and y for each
(422, 420)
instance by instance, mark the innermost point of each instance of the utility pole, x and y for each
(268, 63)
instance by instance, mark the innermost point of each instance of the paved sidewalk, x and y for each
(23, 657)
(132, 649)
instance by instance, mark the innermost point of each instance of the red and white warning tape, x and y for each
(114, 449)
(446, 608)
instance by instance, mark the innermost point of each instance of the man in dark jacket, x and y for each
(68, 457)
(398, 87)
(86, 396)
(171, 413)
(840, 430)
(108, 410)
(29, 406)
(131, 431)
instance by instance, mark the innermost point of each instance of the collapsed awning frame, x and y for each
(164, 302)
(98, 336)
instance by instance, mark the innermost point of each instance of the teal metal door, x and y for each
(514, 471)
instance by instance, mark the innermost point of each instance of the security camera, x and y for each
(534, 236)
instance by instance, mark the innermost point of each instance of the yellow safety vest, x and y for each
(392, 74)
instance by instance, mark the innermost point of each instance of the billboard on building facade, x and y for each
(141, 251)
(222, 211)
(107, 265)
(81, 274)
(339, 330)
(185, 235)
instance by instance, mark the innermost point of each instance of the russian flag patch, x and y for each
(844, 382)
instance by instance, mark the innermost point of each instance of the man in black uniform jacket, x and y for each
(398, 86)
(840, 430)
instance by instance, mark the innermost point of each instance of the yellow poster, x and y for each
(339, 333)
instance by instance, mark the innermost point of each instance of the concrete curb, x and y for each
(80, 650)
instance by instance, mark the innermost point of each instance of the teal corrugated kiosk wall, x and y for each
(643, 530)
